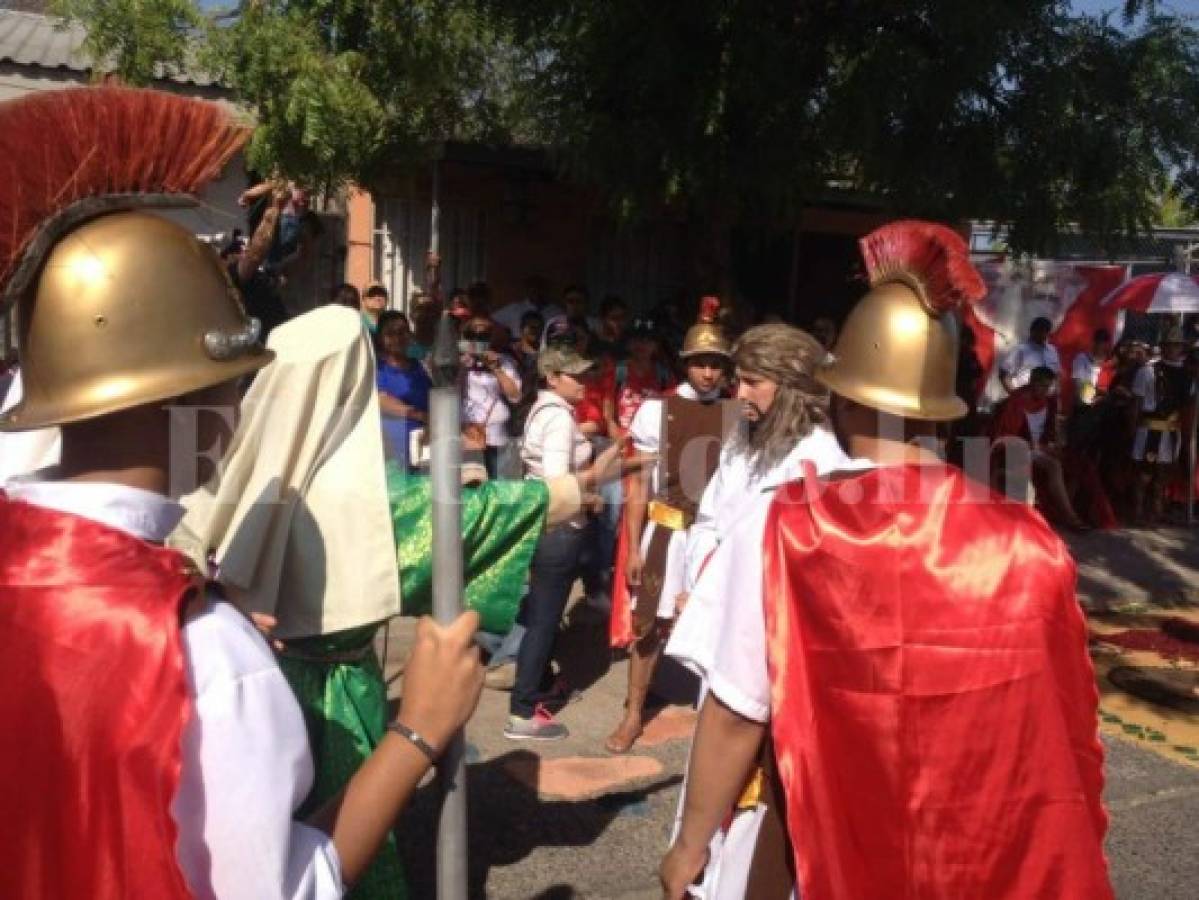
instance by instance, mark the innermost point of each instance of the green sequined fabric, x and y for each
(339, 685)
(501, 523)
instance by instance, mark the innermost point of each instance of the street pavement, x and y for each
(567, 820)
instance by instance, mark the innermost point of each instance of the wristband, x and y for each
(415, 739)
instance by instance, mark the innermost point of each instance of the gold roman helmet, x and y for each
(898, 350)
(116, 307)
(706, 335)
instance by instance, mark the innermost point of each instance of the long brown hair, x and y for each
(789, 357)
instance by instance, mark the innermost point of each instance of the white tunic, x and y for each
(721, 634)
(646, 434)
(246, 766)
(735, 488)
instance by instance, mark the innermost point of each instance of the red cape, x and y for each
(933, 703)
(93, 706)
(620, 623)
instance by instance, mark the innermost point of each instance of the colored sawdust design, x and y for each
(579, 777)
(1174, 639)
(1146, 665)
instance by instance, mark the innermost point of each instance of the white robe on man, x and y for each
(721, 633)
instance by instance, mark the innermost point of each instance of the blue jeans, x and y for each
(501, 647)
(553, 570)
(604, 530)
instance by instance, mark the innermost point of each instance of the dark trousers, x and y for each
(554, 568)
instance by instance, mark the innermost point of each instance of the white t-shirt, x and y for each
(553, 444)
(510, 315)
(1144, 387)
(645, 430)
(1086, 369)
(1036, 424)
(483, 401)
(1028, 356)
(246, 765)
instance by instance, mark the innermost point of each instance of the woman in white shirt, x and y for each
(553, 446)
(490, 387)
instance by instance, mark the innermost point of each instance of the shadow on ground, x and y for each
(1159, 564)
(508, 821)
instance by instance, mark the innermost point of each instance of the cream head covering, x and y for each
(298, 517)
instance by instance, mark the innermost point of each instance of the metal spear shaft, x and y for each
(445, 471)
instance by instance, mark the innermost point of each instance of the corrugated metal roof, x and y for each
(47, 42)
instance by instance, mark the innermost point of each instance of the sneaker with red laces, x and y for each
(541, 726)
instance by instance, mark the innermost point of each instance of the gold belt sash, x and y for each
(1169, 424)
(667, 516)
(751, 795)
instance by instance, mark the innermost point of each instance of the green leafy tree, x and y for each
(342, 89)
(726, 111)
(747, 109)
(139, 40)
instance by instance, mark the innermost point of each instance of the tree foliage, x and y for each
(342, 89)
(1017, 110)
(730, 110)
(139, 40)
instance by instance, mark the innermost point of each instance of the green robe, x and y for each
(337, 677)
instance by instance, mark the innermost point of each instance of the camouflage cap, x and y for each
(558, 359)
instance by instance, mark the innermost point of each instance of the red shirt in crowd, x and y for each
(629, 388)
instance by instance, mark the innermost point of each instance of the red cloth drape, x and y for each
(1011, 420)
(933, 703)
(93, 706)
(620, 624)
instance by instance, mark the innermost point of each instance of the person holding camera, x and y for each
(491, 385)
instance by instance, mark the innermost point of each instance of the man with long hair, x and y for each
(784, 423)
(897, 665)
(783, 429)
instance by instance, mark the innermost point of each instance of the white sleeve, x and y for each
(246, 768)
(721, 633)
(557, 442)
(1144, 387)
(510, 369)
(1011, 364)
(702, 536)
(646, 427)
(1080, 370)
(1053, 359)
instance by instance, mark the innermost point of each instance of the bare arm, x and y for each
(636, 503)
(260, 244)
(614, 429)
(442, 682)
(510, 388)
(392, 406)
(725, 751)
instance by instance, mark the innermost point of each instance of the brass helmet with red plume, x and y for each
(898, 350)
(706, 335)
(116, 307)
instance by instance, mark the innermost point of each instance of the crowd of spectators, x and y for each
(1105, 444)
